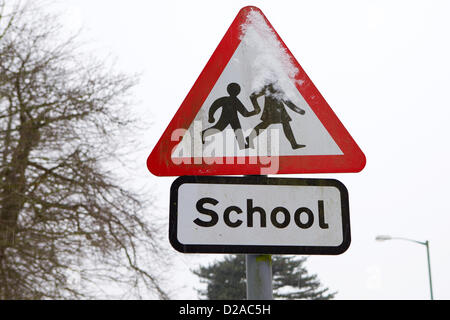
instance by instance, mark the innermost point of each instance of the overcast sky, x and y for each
(383, 67)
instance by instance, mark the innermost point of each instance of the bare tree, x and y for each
(7, 18)
(63, 215)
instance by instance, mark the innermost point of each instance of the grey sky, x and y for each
(383, 66)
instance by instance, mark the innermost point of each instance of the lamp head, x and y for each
(383, 238)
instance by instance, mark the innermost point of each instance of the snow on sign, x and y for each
(253, 110)
(235, 215)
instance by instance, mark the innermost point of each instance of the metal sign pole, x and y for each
(259, 276)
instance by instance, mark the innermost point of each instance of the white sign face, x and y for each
(256, 91)
(306, 127)
(259, 215)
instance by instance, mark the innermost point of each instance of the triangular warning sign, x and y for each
(253, 110)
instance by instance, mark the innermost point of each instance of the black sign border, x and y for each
(255, 249)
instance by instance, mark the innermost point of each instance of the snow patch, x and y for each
(269, 63)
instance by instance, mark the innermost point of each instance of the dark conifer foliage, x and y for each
(225, 279)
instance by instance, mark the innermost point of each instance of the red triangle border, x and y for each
(160, 163)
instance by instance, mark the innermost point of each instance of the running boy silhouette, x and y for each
(274, 112)
(230, 105)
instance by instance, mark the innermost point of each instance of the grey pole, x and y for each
(259, 276)
(427, 244)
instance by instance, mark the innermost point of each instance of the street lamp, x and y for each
(426, 244)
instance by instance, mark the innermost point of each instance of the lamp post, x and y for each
(426, 244)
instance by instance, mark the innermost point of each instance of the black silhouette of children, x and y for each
(230, 105)
(274, 112)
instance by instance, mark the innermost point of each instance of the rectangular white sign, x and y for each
(257, 214)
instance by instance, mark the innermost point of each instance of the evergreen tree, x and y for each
(226, 279)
